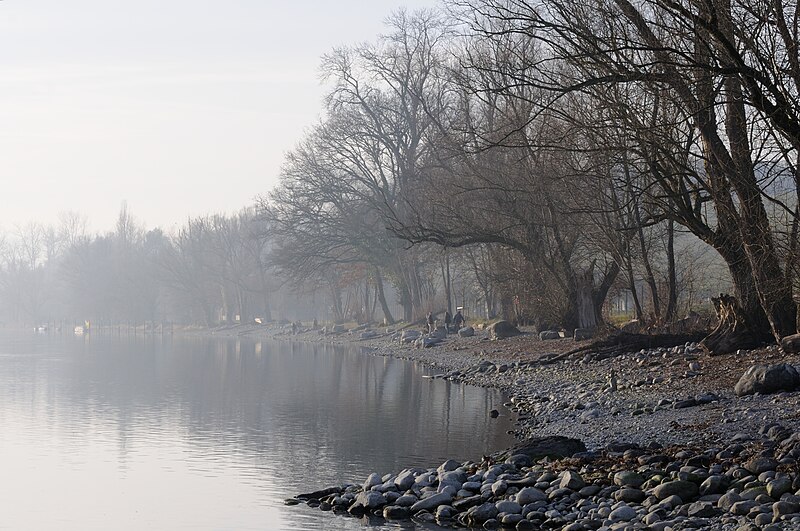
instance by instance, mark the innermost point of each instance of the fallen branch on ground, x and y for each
(623, 342)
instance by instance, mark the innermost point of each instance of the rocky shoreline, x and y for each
(666, 416)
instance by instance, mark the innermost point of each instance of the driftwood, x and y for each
(732, 331)
(623, 342)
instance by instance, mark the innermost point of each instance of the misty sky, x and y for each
(179, 107)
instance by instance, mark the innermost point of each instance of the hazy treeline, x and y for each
(570, 142)
(210, 268)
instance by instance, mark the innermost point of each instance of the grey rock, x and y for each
(627, 478)
(780, 508)
(685, 490)
(630, 495)
(396, 512)
(766, 379)
(373, 480)
(431, 502)
(743, 507)
(589, 490)
(548, 335)
(529, 495)
(465, 503)
(499, 487)
(713, 485)
(444, 512)
(572, 480)
(405, 479)
(467, 331)
(406, 500)
(682, 404)
(511, 520)
(753, 492)
(370, 500)
(762, 519)
(622, 514)
(525, 525)
(519, 460)
(502, 330)
(757, 465)
(432, 341)
(507, 506)
(553, 447)
(779, 486)
(559, 493)
(409, 335)
(453, 476)
(702, 510)
(482, 513)
(727, 500)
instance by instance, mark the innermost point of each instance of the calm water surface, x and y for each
(108, 432)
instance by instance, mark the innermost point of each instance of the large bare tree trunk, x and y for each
(732, 332)
(672, 277)
(773, 287)
(632, 287)
(387, 313)
(447, 281)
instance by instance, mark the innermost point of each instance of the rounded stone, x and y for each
(627, 478)
(630, 495)
(685, 490)
(622, 514)
(396, 512)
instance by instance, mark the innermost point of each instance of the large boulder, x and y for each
(766, 379)
(554, 447)
(427, 342)
(547, 335)
(582, 334)
(502, 330)
(440, 332)
(467, 331)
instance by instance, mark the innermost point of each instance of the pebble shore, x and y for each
(668, 443)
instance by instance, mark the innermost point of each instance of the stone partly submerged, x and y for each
(744, 486)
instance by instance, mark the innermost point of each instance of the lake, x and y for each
(108, 431)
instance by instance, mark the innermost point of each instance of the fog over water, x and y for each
(134, 432)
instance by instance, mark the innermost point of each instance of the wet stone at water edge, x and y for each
(752, 485)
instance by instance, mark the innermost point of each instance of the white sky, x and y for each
(179, 107)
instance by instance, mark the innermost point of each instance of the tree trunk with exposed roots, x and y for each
(733, 331)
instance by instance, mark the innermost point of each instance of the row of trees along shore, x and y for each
(542, 156)
(566, 133)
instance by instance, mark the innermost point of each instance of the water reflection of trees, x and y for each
(319, 409)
